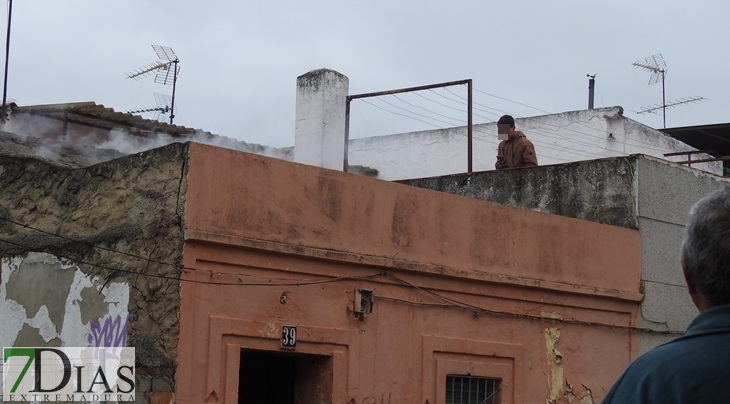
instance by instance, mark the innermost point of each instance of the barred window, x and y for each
(472, 390)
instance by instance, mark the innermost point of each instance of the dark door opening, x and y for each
(284, 378)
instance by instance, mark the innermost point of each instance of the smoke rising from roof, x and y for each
(82, 145)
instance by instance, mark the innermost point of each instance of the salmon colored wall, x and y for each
(250, 200)
(524, 291)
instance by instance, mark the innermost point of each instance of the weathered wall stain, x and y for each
(32, 317)
(600, 191)
(41, 280)
(554, 361)
(110, 331)
(92, 304)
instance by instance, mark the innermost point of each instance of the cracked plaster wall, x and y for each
(558, 138)
(118, 221)
(47, 301)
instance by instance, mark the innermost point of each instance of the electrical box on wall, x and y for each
(363, 301)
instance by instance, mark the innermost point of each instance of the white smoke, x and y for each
(42, 137)
(127, 143)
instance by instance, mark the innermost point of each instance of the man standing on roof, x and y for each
(516, 150)
(694, 368)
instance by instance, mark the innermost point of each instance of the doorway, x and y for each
(267, 377)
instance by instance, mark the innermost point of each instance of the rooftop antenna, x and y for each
(656, 65)
(652, 109)
(166, 70)
(591, 89)
(164, 106)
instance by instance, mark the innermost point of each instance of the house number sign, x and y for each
(288, 336)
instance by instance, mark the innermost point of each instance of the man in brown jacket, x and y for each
(517, 151)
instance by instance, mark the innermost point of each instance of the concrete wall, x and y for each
(558, 138)
(665, 195)
(94, 242)
(518, 288)
(636, 192)
(600, 191)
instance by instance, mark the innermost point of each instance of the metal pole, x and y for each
(591, 89)
(405, 90)
(664, 102)
(469, 128)
(174, 83)
(7, 56)
(347, 134)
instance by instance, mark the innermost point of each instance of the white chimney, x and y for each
(319, 134)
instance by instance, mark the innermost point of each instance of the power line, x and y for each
(583, 153)
(396, 113)
(303, 282)
(426, 109)
(85, 243)
(630, 142)
(414, 113)
(531, 127)
(515, 102)
(454, 303)
(638, 143)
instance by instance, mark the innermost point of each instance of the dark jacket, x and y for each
(518, 151)
(694, 368)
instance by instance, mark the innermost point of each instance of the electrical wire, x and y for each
(427, 110)
(303, 282)
(599, 95)
(396, 113)
(557, 148)
(536, 130)
(515, 102)
(85, 243)
(448, 302)
(454, 303)
(542, 144)
(632, 142)
(416, 113)
(561, 148)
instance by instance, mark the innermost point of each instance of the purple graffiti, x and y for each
(111, 331)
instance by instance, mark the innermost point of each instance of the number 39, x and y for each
(288, 336)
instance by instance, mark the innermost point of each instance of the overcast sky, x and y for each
(239, 59)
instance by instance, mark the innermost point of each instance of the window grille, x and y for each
(472, 390)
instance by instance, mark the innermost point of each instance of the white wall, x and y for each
(558, 138)
(53, 308)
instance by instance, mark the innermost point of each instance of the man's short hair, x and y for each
(506, 119)
(705, 249)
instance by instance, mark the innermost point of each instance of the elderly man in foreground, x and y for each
(694, 368)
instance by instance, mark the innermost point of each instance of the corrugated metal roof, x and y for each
(714, 136)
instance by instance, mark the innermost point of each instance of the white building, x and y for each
(558, 138)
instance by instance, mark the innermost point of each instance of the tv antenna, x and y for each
(656, 65)
(164, 106)
(652, 109)
(166, 71)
